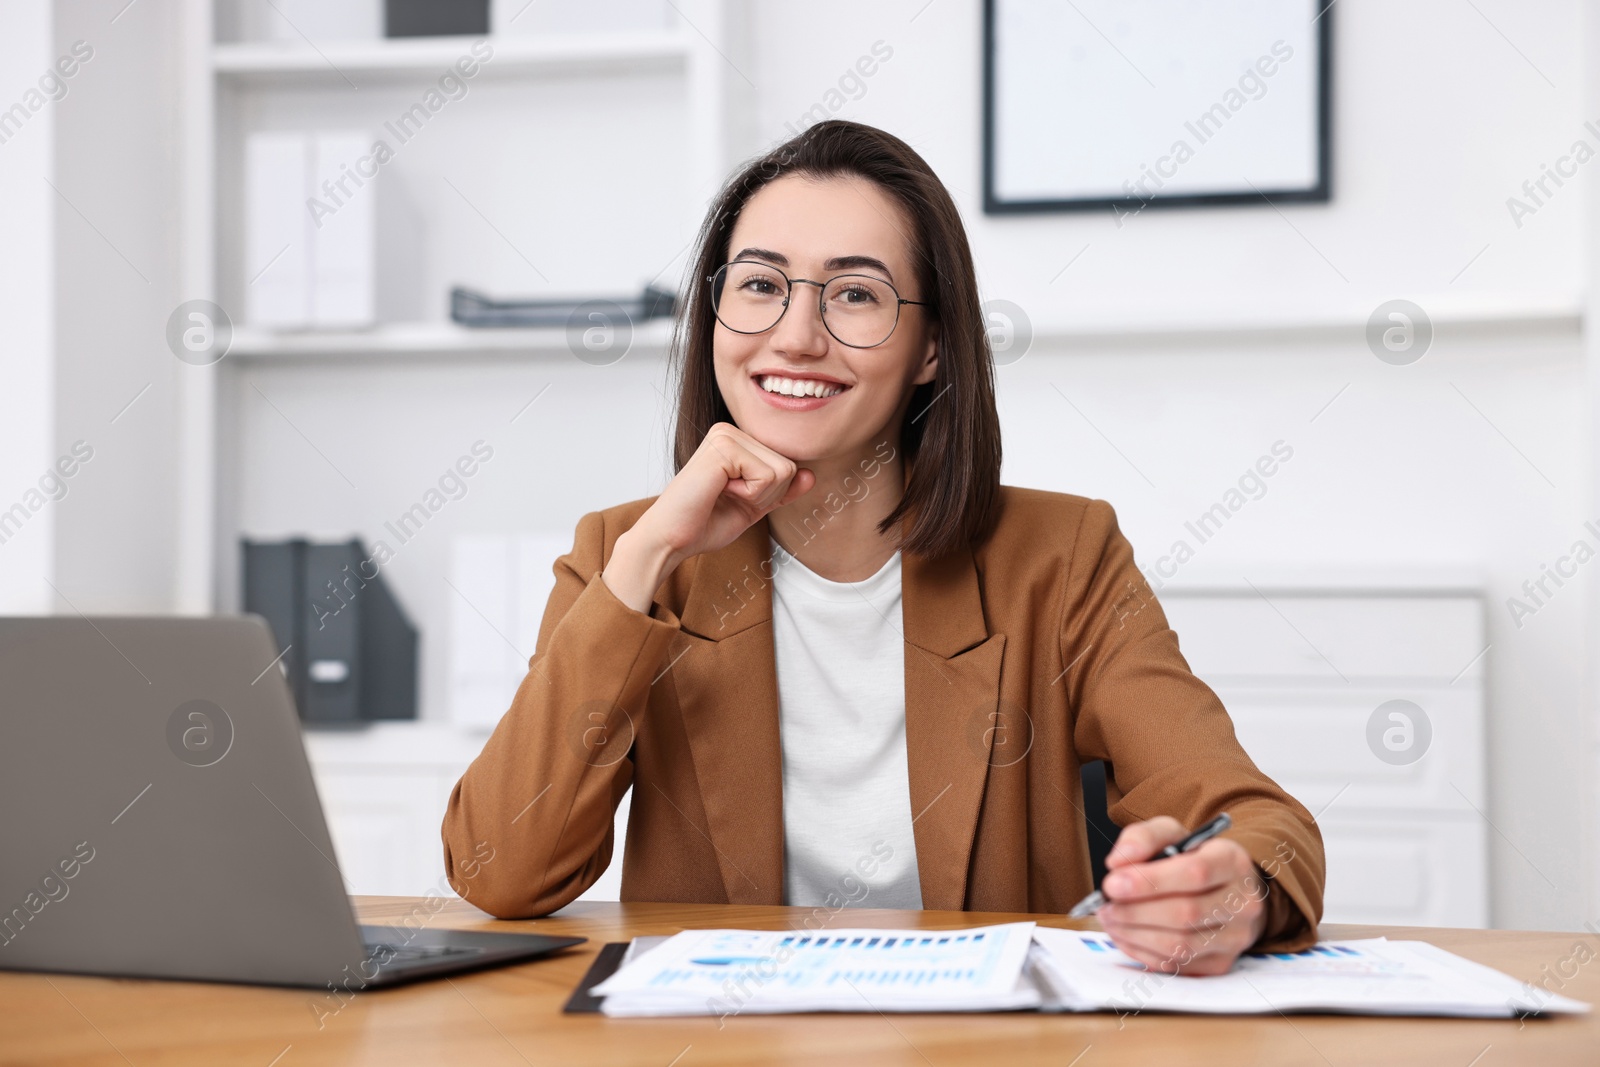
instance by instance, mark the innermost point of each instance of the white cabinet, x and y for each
(379, 819)
(1368, 707)
(384, 790)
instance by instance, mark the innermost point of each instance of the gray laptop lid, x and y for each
(157, 811)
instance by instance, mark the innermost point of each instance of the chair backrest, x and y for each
(1102, 831)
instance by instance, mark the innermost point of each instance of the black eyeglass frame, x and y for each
(822, 287)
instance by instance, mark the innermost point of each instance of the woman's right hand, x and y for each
(728, 485)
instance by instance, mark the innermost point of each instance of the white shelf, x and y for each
(445, 339)
(427, 340)
(289, 63)
(1479, 316)
(1324, 580)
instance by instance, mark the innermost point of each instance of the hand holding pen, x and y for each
(1180, 901)
(1094, 901)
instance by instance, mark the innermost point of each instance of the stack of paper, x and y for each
(728, 972)
(1019, 965)
(1081, 971)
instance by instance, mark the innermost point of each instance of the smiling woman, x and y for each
(859, 216)
(923, 681)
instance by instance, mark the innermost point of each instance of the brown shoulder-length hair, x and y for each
(952, 494)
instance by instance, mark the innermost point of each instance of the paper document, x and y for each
(1084, 971)
(1022, 966)
(722, 972)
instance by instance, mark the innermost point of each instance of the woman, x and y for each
(838, 662)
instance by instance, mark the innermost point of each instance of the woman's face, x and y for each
(816, 229)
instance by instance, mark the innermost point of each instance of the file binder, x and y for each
(351, 652)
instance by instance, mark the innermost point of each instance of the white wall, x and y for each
(1591, 737)
(117, 254)
(1437, 120)
(26, 298)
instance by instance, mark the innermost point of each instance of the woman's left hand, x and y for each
(1192, 913)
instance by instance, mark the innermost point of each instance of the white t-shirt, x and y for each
(840, 656)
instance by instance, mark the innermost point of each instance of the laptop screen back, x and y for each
(157, 812)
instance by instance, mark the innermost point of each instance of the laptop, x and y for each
(158, 818)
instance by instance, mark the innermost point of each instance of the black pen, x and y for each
(1093, 902)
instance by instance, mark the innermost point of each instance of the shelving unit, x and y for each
(428, 341)
(232, 87)
(270, 64)
(569, 166)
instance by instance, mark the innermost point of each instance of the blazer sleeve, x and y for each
(1168, 743)
(529, 825)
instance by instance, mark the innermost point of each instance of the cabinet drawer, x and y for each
(385, 829)
(1418, 873)
(1316, 744)
(1328, 638)
(384, 822)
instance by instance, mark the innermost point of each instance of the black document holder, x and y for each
(352, 653)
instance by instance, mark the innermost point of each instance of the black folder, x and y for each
(352, 652)
(583, 1002)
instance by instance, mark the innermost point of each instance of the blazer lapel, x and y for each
(952, 702)
(727, 689)
(727, 684)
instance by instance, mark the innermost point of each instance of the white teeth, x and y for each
(798, 386)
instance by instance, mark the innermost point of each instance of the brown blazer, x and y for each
(1040, 649)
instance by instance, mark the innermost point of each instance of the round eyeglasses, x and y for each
(859, 310)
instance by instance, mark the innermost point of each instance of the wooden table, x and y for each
(512, 1016)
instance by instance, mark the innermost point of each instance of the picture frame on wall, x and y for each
(1099, 105)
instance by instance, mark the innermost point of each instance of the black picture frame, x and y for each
(1319, 192)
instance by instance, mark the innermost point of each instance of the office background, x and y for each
(1169, 350)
